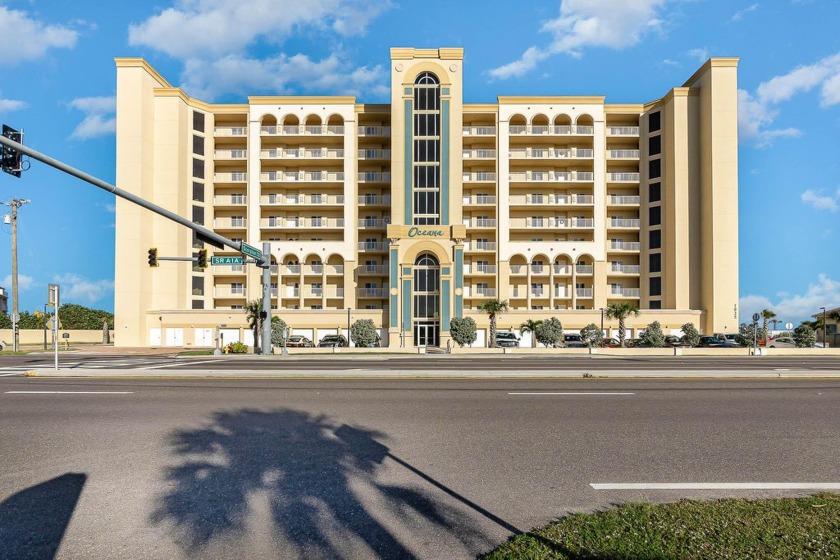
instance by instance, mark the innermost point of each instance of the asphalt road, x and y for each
(377, 469)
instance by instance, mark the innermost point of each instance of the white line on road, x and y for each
(11, 374)
(718, 486)
(181, 363)
(69, 392)
(571, 393)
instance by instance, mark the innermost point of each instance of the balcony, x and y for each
(480, 246)
(374, 200)
(302, 153)
(383, 131)
(616, 200)
(623, 154)
(230, 154)
(552, 176)
(373, 269)
(480, 177)
(234, 270)
(235, 177)
(373, 246)
(302, 200)
(223, 291)
(584, 269)
(552, 200)
(624, 222)
(480, 292)
(374, 153)
(623, 177)
(479, 154)
(556, 130)
(480, 222)
(479, 200)
(313, 269)
(235, 222)
(625, 292)
(552, 153)
(292, 269)
(302, 130)
(335, 293)
(373, 223)
(624, 245)
(562, 292)
(372, 292)
(625, 269)
(230, 131)
(563, 269)
(519, 269)
(550, 222)
(539, 269)
(230, 200)
(291, 292)
(301, 223)
(622, 131)
(489, 130)
(302, 177)
(583, 292)
(374, 177)
(480, 269)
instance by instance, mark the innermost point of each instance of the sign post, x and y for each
(755, 319)
(54, 299)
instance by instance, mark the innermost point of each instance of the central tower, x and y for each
(426, 235)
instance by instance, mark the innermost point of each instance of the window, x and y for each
(237, 288)
(197, 304)
(655, 304)
(654, 215)
(426, 287)
(426, 143)
(655, 192)
(654, 145)
(198, 145)
(237, 221)
(237, 199)
(198, 168)
(198, 121)
(655, 239)
(656, 286)
(654, 169)
(655, 262)
(198, 192)
(654, 121)
(198, 215)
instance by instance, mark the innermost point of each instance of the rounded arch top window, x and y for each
(426, 260)
(427, 78)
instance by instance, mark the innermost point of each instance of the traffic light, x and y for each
(10, 158)
(202, 258)
(153, 257)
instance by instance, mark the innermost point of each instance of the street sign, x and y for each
(225, 260)
(756, 317)
(250, 251)
(788, 326)
(51, 323)
(53, 297)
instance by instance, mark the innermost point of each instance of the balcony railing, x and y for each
(624, 222)
(482, 292)
(623, 177)
(626, 292)
(230, 200)
(563, 130)
(480, 246)
(584, 292)
(480, 269)
(229, 291)
(625, 268)
(373, 269)
(552, 200)
(374, 177)
(563, 269)
(372, 292)
(225, 223)
(301, 223)
(230, 154)
(479, 199)
(373, 246)
(624, 245)
(562, 292)
(552, 222)
(374, 130)
(302, 130)
(374, 153)
(622, 131)
(302, 176)
(235, 177)
(619, 200)
(482, 176)
(623, 154)
(302, 200)
(302, 153)
(479, 154)
(552, 176)
(584, 269)
(231, 131)
(313, 269)
(374, 222)
(374, 200)
(480, 222)
(552, 153)
(488, 130)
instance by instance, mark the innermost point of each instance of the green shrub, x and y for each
(236, 348)
(363, 332)
(463, 331)
(804, 336)
(278, 331)
(692, 335)
(592, 335)
(550, 333)
(653, 335)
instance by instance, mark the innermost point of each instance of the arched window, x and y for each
(426, 300)
(426, 136)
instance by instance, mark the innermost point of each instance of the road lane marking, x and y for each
(11, 374)
(718, 486)
(571, 393)
(69, 392)
(183, 363)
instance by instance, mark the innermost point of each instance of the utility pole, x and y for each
(15, 203)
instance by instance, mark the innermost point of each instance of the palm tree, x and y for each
(531, 326)
(621, 311)
(766, 315)
(493, 307)
(254, 309)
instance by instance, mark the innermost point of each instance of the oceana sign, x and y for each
(417, 232)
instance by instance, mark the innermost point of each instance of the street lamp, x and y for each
(824, 328)
(348, 328)
(602, 321)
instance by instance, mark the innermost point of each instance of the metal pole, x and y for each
(45, 326)
(825, 331)
(55, 335)
(266, 290)
(209, 234)
(15, 204)
(348, 328)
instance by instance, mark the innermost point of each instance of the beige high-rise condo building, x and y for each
(414, 212)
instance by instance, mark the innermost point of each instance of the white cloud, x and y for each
(794, 307)
(9, 105)
(614, 24)
(98, 120)
(75, 288)
(212, 38)
(739, 15)
(25, 283)
(701, 54)
(756, 112)
(821, 201)
(25, 38)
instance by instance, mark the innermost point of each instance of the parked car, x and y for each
(573, 341)
(782, 342)
(298, 341)
(673, 341)
(507, 339)
(611, 343)
(715, 342)
(333, 341)
(731, 337)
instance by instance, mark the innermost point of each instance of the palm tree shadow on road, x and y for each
(306, 466)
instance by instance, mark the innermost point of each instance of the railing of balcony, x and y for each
(235, 177)
(551, 153)
(373, 246)
(552, 176)
(230, 200)
(625, 268)
(616, 199)
(374, 177)
(584, 268)
(480, 222)
(480, 199)
(374, 130)
(230, 154)
(231, 131)
(479, 154)
(374, 200)
(372, 292)
(484, 292)
(626, 177)
(622, 131)
(624, 245)
(304, 129)
(479, 130)
(296, 222)
(623, 154)
(302, 153)
(306, 176)
(563, 269)
(235, 222)
(480, 176)
(373, 269)
(626, 292)
(552, 200)
(552, 129)
(303, 199)
(374, 153)
(313, 269)
(373, 222)
(584, 292)
(481, 246)
(625, 222)
(484, 269)
(552, 222)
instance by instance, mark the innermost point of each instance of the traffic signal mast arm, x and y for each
(209, 234)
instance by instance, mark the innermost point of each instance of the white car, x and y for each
(782, 342)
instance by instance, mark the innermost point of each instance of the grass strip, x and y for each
(722, 529)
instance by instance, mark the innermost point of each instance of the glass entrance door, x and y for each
(426, 333)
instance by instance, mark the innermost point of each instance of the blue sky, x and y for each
(57, 81)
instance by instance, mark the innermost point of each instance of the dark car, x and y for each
(715, 342)
(298, 341)
(573, 341)
(333, 341)
(506, 339)
(674, 341)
